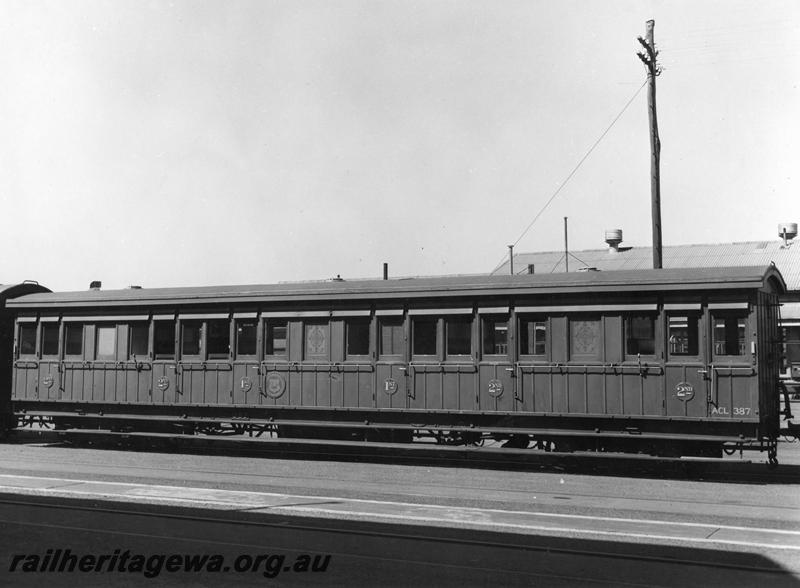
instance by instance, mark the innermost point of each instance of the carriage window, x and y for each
(49, 339)
(459, 335)
(73, 339)
(585, 338)
(791, 347)
(392, 337)
(246, 338)
(532, 336)
(357, 336)
(218, 339)
(27, 339)
(275, 338)
(138, 340)
(317, 339)
(729, 333)
(640, 334)
(190, 337)
(424, 336)
(164, 340)
(495, 335)
(106, 343)
(683, 335)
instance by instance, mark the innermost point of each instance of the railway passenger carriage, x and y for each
(7, 292)
(668, 362)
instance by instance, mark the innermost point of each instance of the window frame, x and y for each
(268, 324)
(74, 326)
(495, 319)
(236, 342)
(348, 323)
(688, 315)
(534, 318)
(199, 325)
(43, 326)
(157, 354)
(437, 338)
(29, 326)
(206, 351)
(104, 327)
(131, 328)
(627, 319)
(400, 322)
(736, 314)
(470, 323)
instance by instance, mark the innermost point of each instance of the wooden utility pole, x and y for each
(653, 70)
(566, 247)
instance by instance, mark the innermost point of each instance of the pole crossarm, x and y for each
(649, 60)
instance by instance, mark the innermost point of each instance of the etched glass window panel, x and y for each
(585, 338)
(317, 341)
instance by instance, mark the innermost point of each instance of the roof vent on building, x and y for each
(96, 285)
(613, 238)
(787, 231)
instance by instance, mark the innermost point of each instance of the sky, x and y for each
(193, 143)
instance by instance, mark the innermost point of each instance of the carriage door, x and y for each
(732, 369)
(164, 385)
(392, 365)
(49, 380)
(497, 381)
(246, 372)
(687, 373)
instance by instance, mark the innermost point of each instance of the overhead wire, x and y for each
(574, 171)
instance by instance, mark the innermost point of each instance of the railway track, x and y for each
(427, 454)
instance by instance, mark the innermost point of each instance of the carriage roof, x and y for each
(663, 280)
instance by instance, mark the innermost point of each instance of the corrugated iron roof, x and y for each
(749, 253)
(451, 286)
